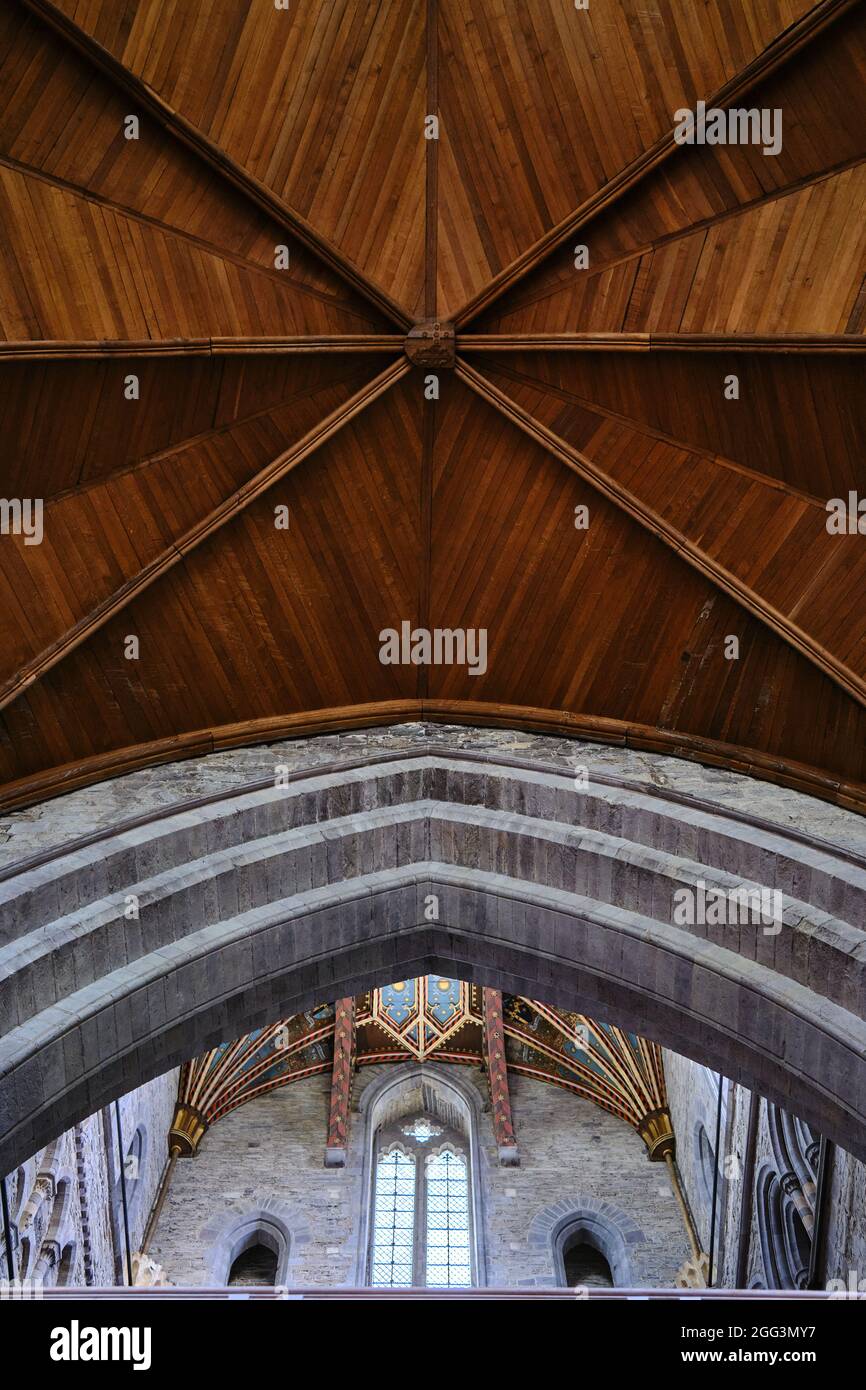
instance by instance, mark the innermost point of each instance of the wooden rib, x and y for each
(661, 342)
(431, 210)
(230, 508)
(172, 121)
(53, 348)
(826, 662)
(41, 786)
(778, 52)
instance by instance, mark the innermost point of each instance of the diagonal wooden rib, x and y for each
(216, 158)
(651, 521)
(39, 349)
(232, 506)
(661, 342)
(788, 43)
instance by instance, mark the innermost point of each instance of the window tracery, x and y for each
(421, 1231)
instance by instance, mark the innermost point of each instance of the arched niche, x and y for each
(409, 1089)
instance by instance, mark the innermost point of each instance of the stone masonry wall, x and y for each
(269, 1155)
(65, 1202)
(692, 1102)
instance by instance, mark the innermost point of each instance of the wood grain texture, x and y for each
(773, 545)
(260, 387)
(71, 268)
(256, 622)
(605, 621)
(539, 109)
(800, 417)
(62, 121)
(822, 97)
(100, 536)
(793, 264)
(324, 103)
(181, 403)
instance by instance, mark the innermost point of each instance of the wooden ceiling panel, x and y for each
(257, 623)
(259, 387)
(795, 264)
(62, 120)
(99, 537)
(774, 544)
(323, 103)
(606, 621)
(69, 423)
(800, 417)
(74, 269)
(539, 111)
(822, 97)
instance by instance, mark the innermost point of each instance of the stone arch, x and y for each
(542, 891)
(231, 1233)
(601, 1224)
(458, 1104)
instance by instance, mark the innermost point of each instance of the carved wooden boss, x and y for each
(431, 344)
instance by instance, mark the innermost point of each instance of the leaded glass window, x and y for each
(394, 1221)
(449, 1263)
(422, 1211)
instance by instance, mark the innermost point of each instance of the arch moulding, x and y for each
(401, 852)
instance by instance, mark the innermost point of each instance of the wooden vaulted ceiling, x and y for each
(262, 387)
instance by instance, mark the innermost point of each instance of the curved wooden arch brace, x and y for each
(538, 889)
(57, 781)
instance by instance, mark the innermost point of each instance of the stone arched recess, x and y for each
(404, 1089)
(228, 1234)
(603, 1225)
(139, 945)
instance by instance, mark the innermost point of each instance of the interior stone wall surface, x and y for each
(693, 1101)
(691, 1095)
(65, 1201)
(103, 806)
(269, 1155)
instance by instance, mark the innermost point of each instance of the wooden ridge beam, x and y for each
(783, 48)
(657, 526)
(42, 349)
(233, 505)
(190, 136)
(662, 342)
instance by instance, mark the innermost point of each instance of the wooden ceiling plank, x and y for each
(231, 507)
(780, 51)
(282, 278)
(801, 641)
(257, 192)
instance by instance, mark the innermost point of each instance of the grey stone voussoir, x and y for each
(253, 902)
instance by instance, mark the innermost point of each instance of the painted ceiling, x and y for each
(436, 1021)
